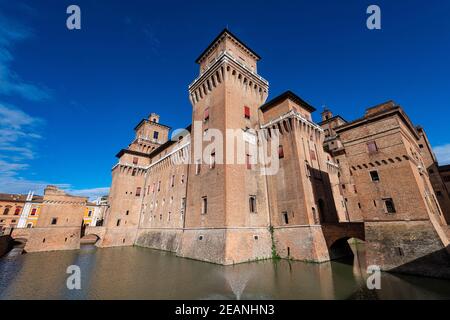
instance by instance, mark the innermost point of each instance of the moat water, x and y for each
(139, 273)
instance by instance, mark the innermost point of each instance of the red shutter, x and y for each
(247, 112)
(280, 152)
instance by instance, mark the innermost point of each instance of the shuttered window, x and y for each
(247, 112)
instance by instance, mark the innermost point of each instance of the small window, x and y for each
(33, 211)
(159, 185)
(172, 181)
(285, 217)
(54, 221)
(118, 222)
(138, 191)
(212, 164)
(247, 112)
(17, 211)
(372, 147)
(134, 172)
(206, 115)
(6, 211)
(204, 205)
(182, 179)
(183, 205)
(198, 167)
(248, 161)
(135, 160)
(313, 154)
(155, 135)
(127, 213)
(389, 203)
(29, 225)
(90, 213)
(374, 176)
(252, 204)
(280, 152)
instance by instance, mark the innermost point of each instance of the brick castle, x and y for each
(375, 178)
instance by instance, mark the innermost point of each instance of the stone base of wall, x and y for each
(407, 247)
(53, 239)
(203, 244)
(118, 237)
(160, 239)
(226, 246)
(305, 243)
(244, 245)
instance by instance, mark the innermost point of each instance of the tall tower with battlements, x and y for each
(226, 214)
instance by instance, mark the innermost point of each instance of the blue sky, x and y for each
(69, 100)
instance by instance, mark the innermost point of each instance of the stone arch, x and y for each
(90, 238)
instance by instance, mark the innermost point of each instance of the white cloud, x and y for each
(90, 193)
(442, 154)
(18, 134)
(14, 184)
(19, 131)
(12, 32)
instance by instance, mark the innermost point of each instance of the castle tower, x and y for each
(128, 185)
(220, 225)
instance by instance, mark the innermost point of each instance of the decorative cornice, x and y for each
(223, 58)
(292, 114)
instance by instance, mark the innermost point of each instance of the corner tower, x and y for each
(226, 214)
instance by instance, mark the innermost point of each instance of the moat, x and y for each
(139, 273)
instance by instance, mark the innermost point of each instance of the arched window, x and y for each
(6, 211)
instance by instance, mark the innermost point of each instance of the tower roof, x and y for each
(226, 32)
(287, 95)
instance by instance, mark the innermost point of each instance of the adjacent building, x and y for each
(19, 211)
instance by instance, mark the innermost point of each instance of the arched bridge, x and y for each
(337, 235)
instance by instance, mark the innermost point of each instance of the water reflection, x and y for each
(139, 273)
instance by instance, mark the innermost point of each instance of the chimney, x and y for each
(326, 114)
(153, 117)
